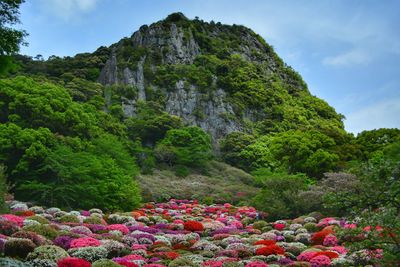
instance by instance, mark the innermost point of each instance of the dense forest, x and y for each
(77, 133)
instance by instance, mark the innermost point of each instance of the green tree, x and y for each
(10, 39)
(231, 147)
(279, 196)
(78, 179)
(3, 190)
(151, 124)
(188, 146)
(309, 152)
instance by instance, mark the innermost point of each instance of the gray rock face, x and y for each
(176, 47)
(211, 111)
(109, 74)
(136, 78)
(187, 103)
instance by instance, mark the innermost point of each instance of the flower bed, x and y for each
(175, 233)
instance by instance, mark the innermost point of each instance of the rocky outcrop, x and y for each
(174, 44)
(211, 113)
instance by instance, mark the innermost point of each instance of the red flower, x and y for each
(265, 242)
(270, 250)
(318, 237)
(73, 262)
(193, 226)
(279, 226)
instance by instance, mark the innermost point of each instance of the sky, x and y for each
(347, 51)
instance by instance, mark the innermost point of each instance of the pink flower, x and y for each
(256, 264)
(85, 242)
(320, 261)
(306, 256)
(137, 247)
(339, 249)
(350, 226)
(13, 218)
(330, 240)
(120, 227)
(133, 257)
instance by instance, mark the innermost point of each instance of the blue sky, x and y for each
(348, 52)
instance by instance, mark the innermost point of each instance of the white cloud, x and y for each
(383, 114)
(68, 9)
(348, 58)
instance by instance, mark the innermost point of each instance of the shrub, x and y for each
(45, 230)
(105, 263)
(38, 218)
(320, 261)
(91, 254)
(193, 226)
(42, 263)
(18, 247)
(270, 250)
(188, 146)
(38, 240)
(69, 218)
(63, 241)
(73, 262)
(8, 228)
(181, 262)
(279, 196)
(84, 242)
(3, 190)
(93, 220)
(48, 252)
(13, 263)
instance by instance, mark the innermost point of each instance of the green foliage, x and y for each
(151, 123)
(376, 140)
(279, 196)
(83, 179)
(187, 146)
(18, 247)
(293, 151)
(308, 152)
(10, 39)
(384, 225)
(231, 147)
(3, 190)
(49, 252)
(32, 104)
(45, 230)
(57, 153)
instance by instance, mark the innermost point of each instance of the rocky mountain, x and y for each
(222, 78)
(187, 63)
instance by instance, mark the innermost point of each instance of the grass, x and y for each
(221, 183)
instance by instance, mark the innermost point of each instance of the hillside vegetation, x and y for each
(188, 109)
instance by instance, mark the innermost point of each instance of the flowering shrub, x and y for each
(8, 227)
(63, 241)
(18, 247)
(48, 252)
(193, 226)
(279, 226)
(178, 234)
(330, 240)
(73, 262)
(120, 227)
(319, 237)
(320, 261)
(84, 242)
(270, 250)
(265, 242)
(256, 264)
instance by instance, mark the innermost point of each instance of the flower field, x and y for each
(176, 233)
